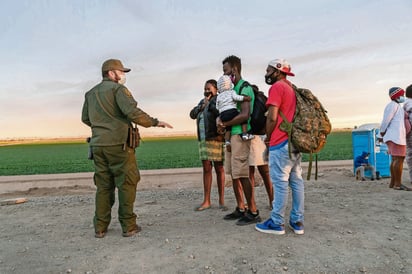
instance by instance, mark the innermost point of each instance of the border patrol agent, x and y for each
(109, 108)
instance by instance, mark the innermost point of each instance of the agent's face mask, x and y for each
(122, 79)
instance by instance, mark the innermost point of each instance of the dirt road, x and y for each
(350, 227)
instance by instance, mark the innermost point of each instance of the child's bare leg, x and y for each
(227, 136)
(244, 128)
(245, 135)
(227, 140)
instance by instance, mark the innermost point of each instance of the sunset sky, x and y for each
(349, 53)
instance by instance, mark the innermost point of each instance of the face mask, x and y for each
(207, 93)
(232, 78)
(400, 99)
(270, 80)
(122, 79)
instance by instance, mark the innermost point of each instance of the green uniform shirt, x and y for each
(248, 91)
(108, 109)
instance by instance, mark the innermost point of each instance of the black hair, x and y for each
(408, 91)
(212, 82)
(233, 61)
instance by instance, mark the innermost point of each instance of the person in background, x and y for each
(285, 168)
(394, 135)
(109, 109)
(211, 149)
(407, 106)
(362, 164)
(237, 159)
(257, 159)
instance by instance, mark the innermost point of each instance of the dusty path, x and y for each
(350, 227)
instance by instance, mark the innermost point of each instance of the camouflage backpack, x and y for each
(310, 125)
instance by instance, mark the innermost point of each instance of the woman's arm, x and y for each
(197, 109)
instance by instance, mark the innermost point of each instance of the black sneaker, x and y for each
(236, 214)
(249, 218)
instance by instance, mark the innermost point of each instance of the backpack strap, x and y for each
(310, 166)
(244, 84)
(288, 128)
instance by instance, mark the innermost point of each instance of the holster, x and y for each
(90, 154)
(133, 137)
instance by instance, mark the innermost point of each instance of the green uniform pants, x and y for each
(115, 167)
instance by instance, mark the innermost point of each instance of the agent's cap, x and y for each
(224, 83)
(396, 92)
(113, 64)
(282, 65)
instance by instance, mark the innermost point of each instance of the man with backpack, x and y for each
(236, 160)
(285, 165)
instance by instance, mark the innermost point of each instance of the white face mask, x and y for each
(122, 79)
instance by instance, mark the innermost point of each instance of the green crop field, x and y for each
(154, 153)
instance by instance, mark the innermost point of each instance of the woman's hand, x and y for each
(220, 126)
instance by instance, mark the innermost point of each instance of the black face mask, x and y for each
(207, 93)
(271, 79)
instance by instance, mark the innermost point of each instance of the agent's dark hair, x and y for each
(233, 61)
(408, 91)
(212, 82)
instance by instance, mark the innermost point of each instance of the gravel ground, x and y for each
(350, 227)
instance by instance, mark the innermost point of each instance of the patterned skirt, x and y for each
(211, 150)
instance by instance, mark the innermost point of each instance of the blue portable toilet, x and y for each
(365, 138)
